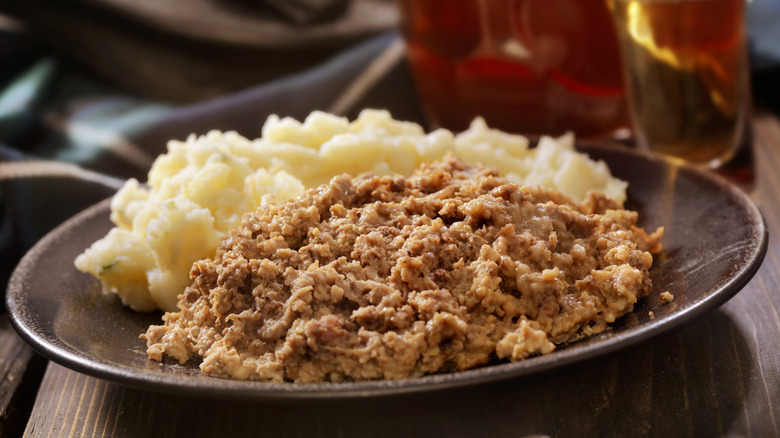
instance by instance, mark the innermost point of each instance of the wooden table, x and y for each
(718, 376)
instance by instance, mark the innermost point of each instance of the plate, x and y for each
(715, 241)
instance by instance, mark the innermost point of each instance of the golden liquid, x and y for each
(685, 61)
(526, 66)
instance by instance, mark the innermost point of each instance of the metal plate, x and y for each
(715, 241)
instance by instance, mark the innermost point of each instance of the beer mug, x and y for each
(526, 66)
(687, 73)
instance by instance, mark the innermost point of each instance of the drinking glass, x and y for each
(526, 66)
(686, 69)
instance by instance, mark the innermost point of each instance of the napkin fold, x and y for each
(303, 12)
(80, 140)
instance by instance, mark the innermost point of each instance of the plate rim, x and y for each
(215, 387)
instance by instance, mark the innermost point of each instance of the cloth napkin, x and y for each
(67, 143)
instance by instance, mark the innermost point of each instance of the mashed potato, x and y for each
(200, 189)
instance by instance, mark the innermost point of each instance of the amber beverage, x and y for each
(686, 68)
(529, 66)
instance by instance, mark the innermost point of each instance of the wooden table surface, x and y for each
(717, 376)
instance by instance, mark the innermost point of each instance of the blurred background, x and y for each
(103, 84)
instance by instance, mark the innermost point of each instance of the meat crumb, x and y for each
(666, 297)
(394, 277)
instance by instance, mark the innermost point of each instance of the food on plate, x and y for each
(200, 188)
(388, 277)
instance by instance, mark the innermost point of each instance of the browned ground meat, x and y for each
(392, 277)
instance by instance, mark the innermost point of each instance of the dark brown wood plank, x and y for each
(717, 376)
(703, 380)
(17, 383)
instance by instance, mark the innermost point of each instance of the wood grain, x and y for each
(718, 376)
(16, 382)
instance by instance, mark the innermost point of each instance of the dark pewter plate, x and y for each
(715, 241)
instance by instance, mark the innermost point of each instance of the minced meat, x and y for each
(392, 277)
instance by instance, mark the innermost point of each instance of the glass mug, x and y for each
(526, 66)
(687, 73)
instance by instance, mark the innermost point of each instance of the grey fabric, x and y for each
(62, 118)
